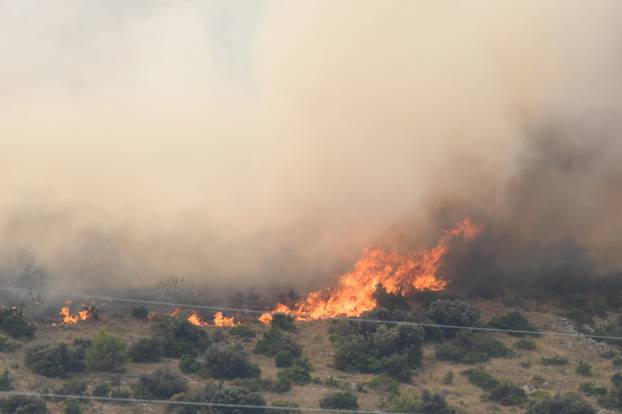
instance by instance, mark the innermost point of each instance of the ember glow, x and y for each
(70, 319)
(398, 273)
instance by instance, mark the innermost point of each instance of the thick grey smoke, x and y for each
(274, 140)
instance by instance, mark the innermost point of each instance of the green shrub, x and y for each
(6, 345)
(264, 385)
(617, 361)
(584, 369)
(448, 379)
(221, 395)
(515, 321)
(106, 352)
(454, 313)
(566, 404)
(54, 360)
(189, 365)
(72, 407)
(508, 394)
(274, 341)
(160, 384)
(589, 388)
(12, 322)
(616, 380)
(405, 402)
(243, 331)
(481, 379)
(435, 404)
(72, 387)
(554, 361)
(281, 404)
(384, 383)
(525, 345)
(397, 366)
(101, 390)
(299, 373)
(146, 350)
(140, 312)
(284, 359)
(225, 362)
(5, 381)
(471, 348)
(339, 401)
(179, 337)
(19, 404)
(120, 392)
(283, 321)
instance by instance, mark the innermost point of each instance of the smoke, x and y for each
(274, 140)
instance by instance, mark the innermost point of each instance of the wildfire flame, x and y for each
(398, 273)
(195, 319)
(70, 319)
(224, 321)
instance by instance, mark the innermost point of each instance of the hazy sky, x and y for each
(275, 137)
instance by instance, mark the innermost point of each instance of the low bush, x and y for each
(179, 337)
(120, 392)
(5, 381)
(243, 331)
(217, 394)
(454, 313)
(19, 404)
(279, 386)
(146, 350)
(283, 321)
(481, 379)
(106, 352)
(584, 369)
(554, 360)
(72, 407)
(384, 383)
(140, 313)
(566, 404)
(299, 373)
(54, 360)
(160, 384)
(590, 389)
(72, 387)
(13, 322)
(188, 364)
(471, 348)
(6, 345)
(525, 345)
(101, 390)
(284, 359)
(226, 362)
(405, 402)
(508, 394)
(448, 379)
(397, 366)
(274, 341)
(434, 403)
(339, 401)
(282, 404)
(616, 380)
(514, 321)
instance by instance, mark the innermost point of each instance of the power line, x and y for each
(185, 403)
(341, 318)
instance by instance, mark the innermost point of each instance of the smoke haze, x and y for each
(275, 140)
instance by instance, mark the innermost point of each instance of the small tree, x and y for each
(161, 383)
(106, 352)
(225, 362)
(339, 401)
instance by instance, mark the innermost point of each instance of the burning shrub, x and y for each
(243, 332)
(454, 313)
(283, 321)
(140, 313)
(54, 360)
(274, 341)
(179, 337)
(12, 322)
(225, 362)
(19, 404)
(567, 404)
(106, 352)
(146, 350)
(5, 381)
(339, 401)
(161, 384)
(471, 348)
(508, 394)
(388, 300)
(515, 321)
(189, 365)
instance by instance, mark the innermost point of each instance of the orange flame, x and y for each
(398, 273)
(69, 319)
(224, 321)
(195, 319)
